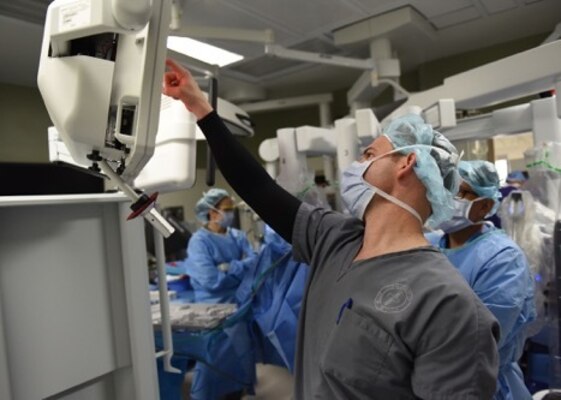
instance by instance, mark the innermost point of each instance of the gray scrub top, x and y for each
(403, 325)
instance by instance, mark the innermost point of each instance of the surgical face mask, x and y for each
(227, 219)
(460, 219)
(357, 193)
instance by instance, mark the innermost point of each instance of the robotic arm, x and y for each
(100, 75)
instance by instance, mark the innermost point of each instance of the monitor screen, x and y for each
(47, 179)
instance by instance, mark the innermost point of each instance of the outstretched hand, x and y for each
(179, 84)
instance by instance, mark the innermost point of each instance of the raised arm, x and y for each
(247, 177)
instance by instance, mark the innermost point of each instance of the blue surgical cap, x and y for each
(435, 167)
(483, 178)
(516, 176)
(209, 201)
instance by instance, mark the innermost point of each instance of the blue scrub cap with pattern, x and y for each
(436, 166)
(209, 201)
(483, 178)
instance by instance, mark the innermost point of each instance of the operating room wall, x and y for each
(512, 148)
(23, 125)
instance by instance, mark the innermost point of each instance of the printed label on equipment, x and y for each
(74, 15)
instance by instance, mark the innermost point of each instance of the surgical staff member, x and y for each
(385, 315)
(217, 254)
(494, 266)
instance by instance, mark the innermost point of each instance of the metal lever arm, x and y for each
(147, 210)
(167, 353)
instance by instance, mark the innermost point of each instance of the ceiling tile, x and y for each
(496, 6)
(456, 17)
(433, 8)
(380, 6)
(302, 17)
(218, 13)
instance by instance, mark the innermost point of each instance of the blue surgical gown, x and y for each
(275, 288)
(205, 252)
(497, 271)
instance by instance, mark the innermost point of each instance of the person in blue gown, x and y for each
(218, 255)
(494, 266)
(218, 258)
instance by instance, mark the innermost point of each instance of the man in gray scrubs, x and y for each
(385, 315)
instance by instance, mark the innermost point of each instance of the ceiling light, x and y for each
(202, 51)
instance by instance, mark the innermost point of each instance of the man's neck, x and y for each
(389, 229)
(459, 238)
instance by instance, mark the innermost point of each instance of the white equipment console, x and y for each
(100, 75)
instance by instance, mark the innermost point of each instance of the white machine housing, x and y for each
(74, 311)
(293, 145)
(173, 166)
(489, 84)
(107, 100)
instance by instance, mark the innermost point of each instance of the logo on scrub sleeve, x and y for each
(393, 298)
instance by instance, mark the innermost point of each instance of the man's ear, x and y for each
(412, 159)
(407, 163)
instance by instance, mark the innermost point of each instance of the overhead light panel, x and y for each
(202, 51)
